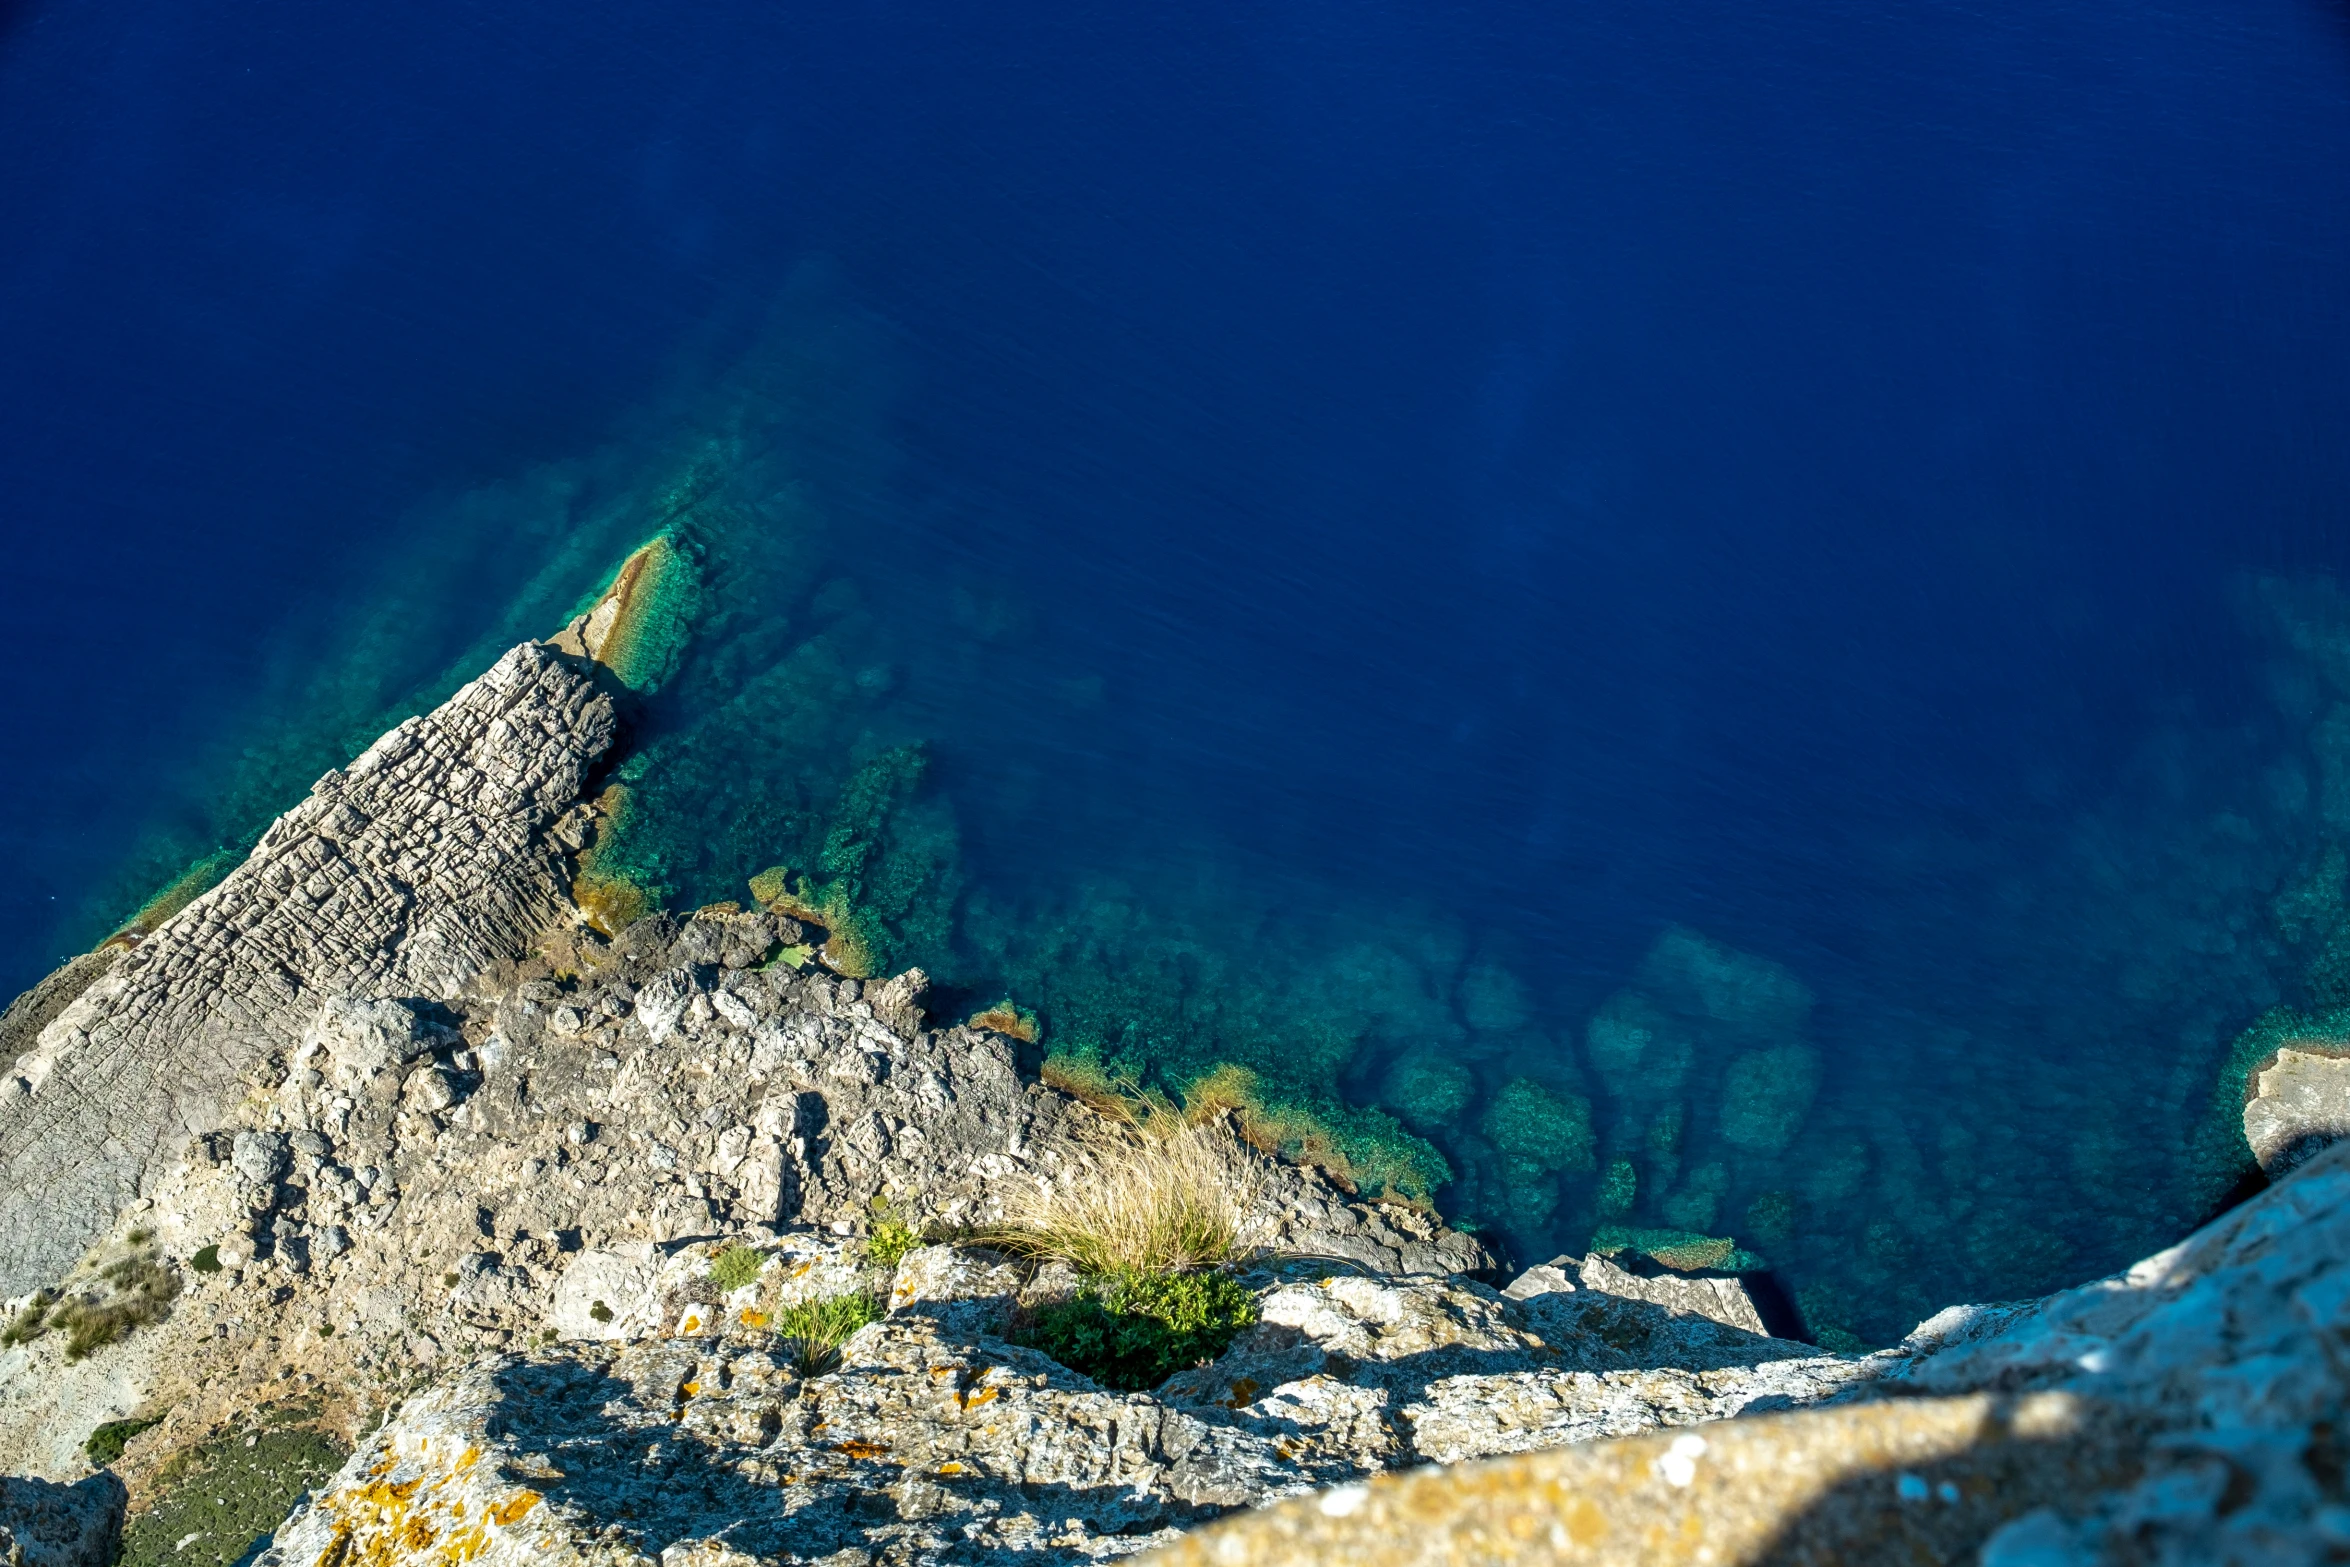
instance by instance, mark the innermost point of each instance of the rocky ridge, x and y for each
(434, 1168)
(404, 875)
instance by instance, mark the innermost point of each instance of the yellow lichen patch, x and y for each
(950, 1467)
(691, 1322)
(978, 1397)
(508, 1513)
(856, 1449)
(471, 1456)
(691, 1388)
(1242, 1391)
(754, 1319)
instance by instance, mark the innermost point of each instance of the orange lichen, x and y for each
(856, 1449)
(508, 1513)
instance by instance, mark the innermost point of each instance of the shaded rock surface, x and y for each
(47, 1525)
(2186, 1411)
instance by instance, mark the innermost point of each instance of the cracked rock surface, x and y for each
(404, 875)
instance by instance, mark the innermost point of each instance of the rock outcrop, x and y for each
(2186, 1411)
(2299, 1103)
(404, 875)
(543, 1228)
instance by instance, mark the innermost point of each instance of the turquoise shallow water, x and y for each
(1713, 632)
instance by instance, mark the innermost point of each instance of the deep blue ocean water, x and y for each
(1462, 536)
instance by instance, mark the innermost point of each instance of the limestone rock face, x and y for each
(1913, 1480)
(2299, 1105)
(47, 1525)
(404, 875)
(923, 1449)
(2186, 1411)
(1380, 1371)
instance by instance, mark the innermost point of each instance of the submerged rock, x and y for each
(2298, 1105)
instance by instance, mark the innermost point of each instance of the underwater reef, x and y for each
(2043, 1085)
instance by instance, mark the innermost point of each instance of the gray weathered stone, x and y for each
(2299, 1104)
(405, 875)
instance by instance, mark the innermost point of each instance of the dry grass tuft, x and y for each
(1178, 1197)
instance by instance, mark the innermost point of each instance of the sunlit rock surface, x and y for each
(405, 875)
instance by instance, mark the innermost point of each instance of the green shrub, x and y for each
(820, 1327)
(891, 1239)
(206, 1261)
(1133, 1333)
(736, 1266)
(107, 1442)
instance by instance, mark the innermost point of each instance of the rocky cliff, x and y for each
(377, 1187)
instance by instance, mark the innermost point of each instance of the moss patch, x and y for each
(736, 1266)
(224, 1497)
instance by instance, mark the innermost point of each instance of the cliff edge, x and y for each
(377, 1209)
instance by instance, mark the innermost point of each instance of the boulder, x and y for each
(2298, 1105)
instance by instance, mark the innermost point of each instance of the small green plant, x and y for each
(129, 1293)
(1131, 1333)
(819, 1327)
(735, 1267)
(600, 1311)
(206, 1261)
(31, 1322)
(326, 1330)
(892, 1236)
(107, 1442)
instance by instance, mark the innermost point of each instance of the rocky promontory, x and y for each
(378, 1208)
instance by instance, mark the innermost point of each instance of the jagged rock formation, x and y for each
(674, 1431)
(448, 1175)
(406, 875)
(2186, 1411)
